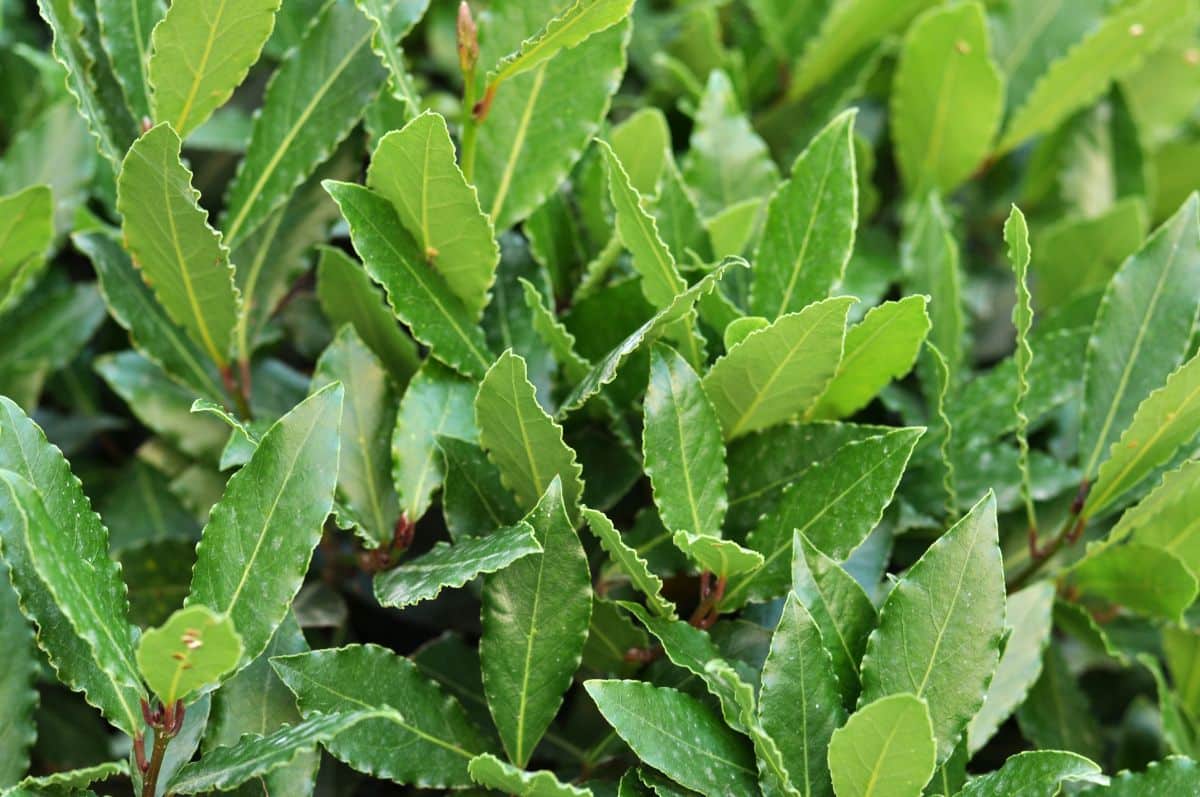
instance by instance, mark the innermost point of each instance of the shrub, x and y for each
(582, 397)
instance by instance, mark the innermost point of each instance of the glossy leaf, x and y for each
(489, 771)
(929, 257)
(17, 687)
(474, 500)
(630, 562)
(1166, 517)
(892, 735)
(1016, 235)
(723, 558)
(566, 31)
(1038, 773)
(191, 650)
(26, 229)
(1118, 574)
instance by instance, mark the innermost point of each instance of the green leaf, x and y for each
(835, 503)
(1181, 649)
(840, 608)
(639, 233)
(202, 52)
(394, 21)
(26, 230)
(429, 748)
(1166, 420)
(491, 772)
(564, 32)
(541, 121)
(125, 30)
(885, 749)
(1028, 621)
(552, 332)
(778, 372)
(1141, 331)
(800, 705)
(312, 102)
(260, 536)
(453, 566)
(183, 259)
(682, 445)
(419, 296)
(1118, 574)
(880, 348)
(415, 169)
(1037, 773)
(535, 620)
(1166, 518)
(474, 500)
(947, 98)
(70, 781)
(642, 143)
(929, 257)
(710, 758)
(723, 558)
(1080, 254)
(1057, 714)
(348, 297)
(188, 652)
(1115, 47)
(1016, 235)
(605, 370)
(523, 441)
(629, 562)
(18, 669)
(364, 484)
(132, 304)
(941, 627)
(223, 768)
(1172, 775)
(809, 232)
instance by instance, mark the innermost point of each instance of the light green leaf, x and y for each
(947, 98)
(723, 558)
(312, 102)
(260, 536)
(552, 332)
(253, 756)
(840, 608)
(489, 771)
(394, 21)
(348, 297)
(70, 781)
(639, 233)
(1141, 331)
(424, 577)
(1167, 517)
(191, 650)
(809, 232)
(125, 29)
(1181, 649)
(941, 627)
(710, 759)
(1080, 254)
(415, 169)
(836, 503)
(886, 749)
(1036, 773)
(18, 692)
(682, 445)
(181, 256)
(564, 32)
(880, 348)
(364, 483)
(741, 328)
(26, 230)
(929, 257)
(778, 372)
(642, 143)
(605, 371)
(1118, 574)
(419, 296)
(202, 52)
(523, 441)
(1172, 775)
(630, 562)
(429, 747)
(474, 500)
(535, 620)
(800, 705)
(1115, 47)
(1016, 235)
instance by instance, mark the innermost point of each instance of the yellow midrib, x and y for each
(196, 74)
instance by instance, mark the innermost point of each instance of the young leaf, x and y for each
(642, 143)
(800, 705)
(202, 50)
(779, 371)
(552, 332)
(364, 489)
(880, 348)
(722, 558)
(1016, 235)
(419, 296)
(535, 620)
(18, 692)
(414, 168)
(710, 758)
(940, 628)
(429, 747)
(639, 234)
(886, 749)
(835, 503)
(929, 257)
(26, 230)
(453, 566)
(630, 562)
(491, 772)
(521, 439)
(809, 231)
(260, 536)
(311, 103)
(1037, 773)
(1118, 574)
(1166, 518)
(1141, 331)
(566, 31)
(188, 652)
(181, 256)
(682, 446)
(945, 64)
(394, 21)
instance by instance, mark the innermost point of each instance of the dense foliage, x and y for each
(599, 397)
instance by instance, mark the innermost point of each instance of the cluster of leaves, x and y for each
(590, 397)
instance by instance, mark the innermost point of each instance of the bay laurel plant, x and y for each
(599, 397)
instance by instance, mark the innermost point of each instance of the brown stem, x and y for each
(1068, 534)
(710, 595)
